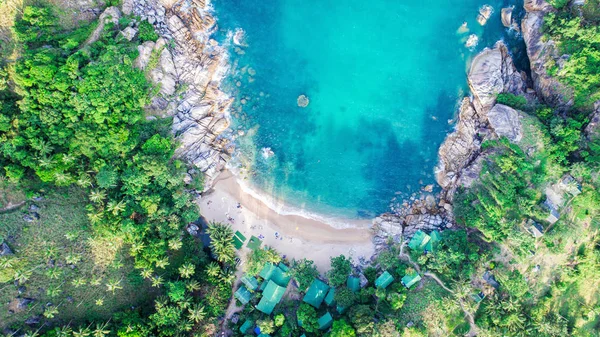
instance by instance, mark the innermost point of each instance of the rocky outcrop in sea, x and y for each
(189, 66)
(460, 156)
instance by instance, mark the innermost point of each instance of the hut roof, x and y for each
(384, 280)
(316, 293)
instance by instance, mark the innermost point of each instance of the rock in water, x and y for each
(303, 101)
(507, 16)
(472, 41)
(485, 12)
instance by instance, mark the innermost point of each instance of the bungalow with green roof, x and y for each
(316, 293)
(238, 240)
(267, 272)
(271, 297)
(353, 283)
(409, 280)
(434, 241)
(419, 241)
(243, 295)
(250, 282)
(248, 324)
(281, 275)
(330, 298)
(384, 280)
(325, 321)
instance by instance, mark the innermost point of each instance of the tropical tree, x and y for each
(221, 241)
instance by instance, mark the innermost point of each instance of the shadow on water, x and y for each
(391, 161)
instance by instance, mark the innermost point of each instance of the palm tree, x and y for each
(213, 269)
(186, 270)
(22, 275)
(157, 281)
(54, 291)
(146, 273)
(162, 263)
(84, 181)
(192, 285)
(78, 282)
(64, 331)
(113, 285)
(85, 332)
(197, 313)
(221, 241)
(227, 277)
(116, 207)
(101, 330)
(95, 218)
(97, 196)
(175, 244)
(50, 312)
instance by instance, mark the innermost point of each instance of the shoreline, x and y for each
(292, 235)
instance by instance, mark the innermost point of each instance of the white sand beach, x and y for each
(294, 236)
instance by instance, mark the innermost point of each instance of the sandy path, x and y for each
(297, 237)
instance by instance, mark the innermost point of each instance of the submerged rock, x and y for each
(472, 41)
(302, 101)
(507, 16)
(485, 12)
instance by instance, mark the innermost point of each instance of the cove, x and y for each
(383, 78)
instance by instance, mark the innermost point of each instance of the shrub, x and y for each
(513, 101)
(146, 32)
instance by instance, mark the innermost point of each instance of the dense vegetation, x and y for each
(101, 240)
(72, 115)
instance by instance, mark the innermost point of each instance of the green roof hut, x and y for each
(384, 280)
(330, 298)
(410, 280)
(243, 295)
(250, 282)
(434, 242)
(325, 321)
(353, 283)
(247, 325)
(271, 296)
(419, 241)
(316, 293)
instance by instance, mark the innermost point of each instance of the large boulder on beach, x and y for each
(493, 72)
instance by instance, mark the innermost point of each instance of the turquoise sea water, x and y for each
(383, 77)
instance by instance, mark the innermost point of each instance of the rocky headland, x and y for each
(481, 118)
(189, 67)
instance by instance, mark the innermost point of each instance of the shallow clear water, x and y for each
(383, 78)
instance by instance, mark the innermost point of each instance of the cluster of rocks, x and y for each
(480, 118)
(189, 66)
(32, 214)
(420, 212)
